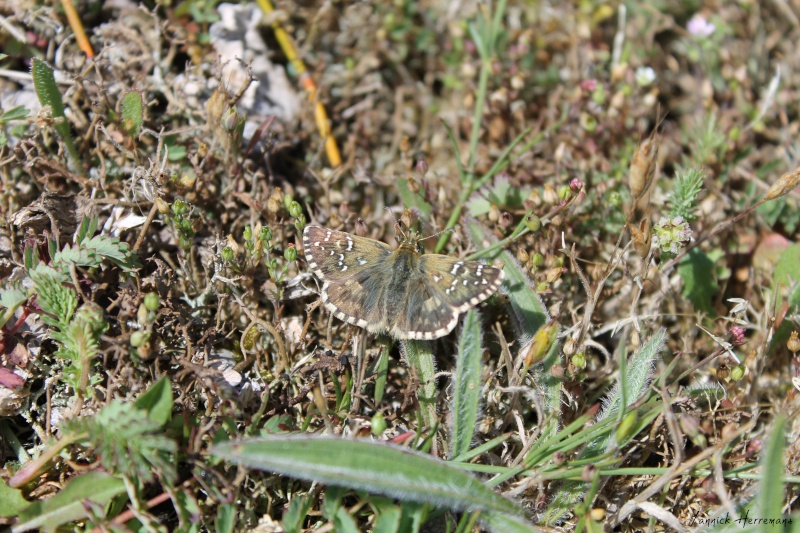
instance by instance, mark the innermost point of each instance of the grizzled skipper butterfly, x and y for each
(402, 292)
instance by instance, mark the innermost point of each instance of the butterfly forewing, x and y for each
(335, 255)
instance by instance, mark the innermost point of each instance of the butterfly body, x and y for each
(401, 292)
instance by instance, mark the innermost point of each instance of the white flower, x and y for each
(645, 76)
(698, 26)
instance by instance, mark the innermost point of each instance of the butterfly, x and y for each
(402, 292)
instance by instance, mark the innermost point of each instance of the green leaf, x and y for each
(11, 501)
(132, 106)
(225, 519)
(529, 313)
(362, 465)
(467, 384)
(420, 357)
(129, 441)
(387, 516)
(68, 505)
(12, 295)
(412, 199)
(788, 266)
(699, 285)
(294, 517)
(53, 297)
(115, 251)
(157, 401)
(15, 113)
(44, 83)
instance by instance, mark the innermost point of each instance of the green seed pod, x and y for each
(151, 301)
(378, 424)
(533, 222)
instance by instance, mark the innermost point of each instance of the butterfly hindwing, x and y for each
(422, 314)
(444, 288)
(461, 284)
(359, 299)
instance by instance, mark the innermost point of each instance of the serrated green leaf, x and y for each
(77, 256)
(467, 389)
(132, 106)
(12, 295)
(361, 465)
(114, 250)
(68, 505)
(52, 296)
(699, 285)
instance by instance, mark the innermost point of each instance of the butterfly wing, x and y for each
(442, 289)
(355, 274)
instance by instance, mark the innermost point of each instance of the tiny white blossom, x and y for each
(645, 76)
(698, 26)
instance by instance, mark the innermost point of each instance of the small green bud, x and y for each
(227, 254)
(738, 372)
(626, 426)
(533, 222)
(290, 253)
(247, 233)
(614, 199)
(564, 192)
(537, 260)
(138, 338)
(579, 360)
(295, 209)
(184, 242)
(179, 207)
(151, 301)
(287, 200)
(378, 424)
(266, 233)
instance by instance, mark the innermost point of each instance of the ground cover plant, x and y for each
(168, 363)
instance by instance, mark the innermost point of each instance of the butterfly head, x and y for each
(409, 238)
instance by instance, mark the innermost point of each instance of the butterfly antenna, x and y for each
(437, 234)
